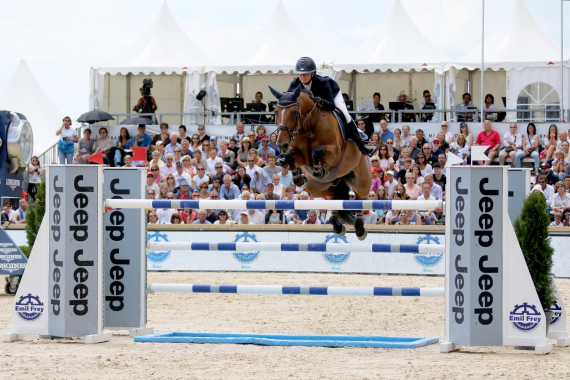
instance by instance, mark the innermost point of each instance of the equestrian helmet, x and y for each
(305, 65)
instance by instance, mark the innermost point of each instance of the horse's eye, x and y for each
(294, 113)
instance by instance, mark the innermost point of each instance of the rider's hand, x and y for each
(318, 100)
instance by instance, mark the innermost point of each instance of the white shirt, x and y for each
(199, 179)
(257, 218)
(427, 170)
(68, 133)
(251, 171)
(548, 193)
(183, 176)
(508, 137)
(211, 164)
(391, 185)
(164, 215)
(558, 201)
(35, 176)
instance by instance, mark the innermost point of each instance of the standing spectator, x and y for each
(240, 134)
(162, 136)
(85, 149)
(19, 216)
(202, 215)
(67, 139)
(385, 134)
(491, 139)
(202, 136)
(35, 172)
(512, 142)
(228, 190)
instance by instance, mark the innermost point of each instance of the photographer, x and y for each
(68, 138)
(146, 103)
(36, 172)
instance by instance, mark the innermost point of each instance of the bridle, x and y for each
(295, 131)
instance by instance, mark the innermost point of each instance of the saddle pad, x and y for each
(342, 127)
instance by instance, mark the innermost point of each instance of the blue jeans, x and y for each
(65, 156)
(521, 154)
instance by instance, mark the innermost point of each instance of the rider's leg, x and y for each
(352, 132)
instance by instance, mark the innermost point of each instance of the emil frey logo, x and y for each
(525, 317)
(556, 313)
(337, 258)
(428, 260)
(29, 307)
(158, 256)
(245, 257)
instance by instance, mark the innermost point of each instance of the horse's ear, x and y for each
(297, 92)
(275, 93)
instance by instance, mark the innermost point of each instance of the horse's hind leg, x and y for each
(341, 192)
(359, 229)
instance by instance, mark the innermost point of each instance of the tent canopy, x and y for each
(24, 94)
(163, 48)
(277, 47)
(396, 44)
(518, 42)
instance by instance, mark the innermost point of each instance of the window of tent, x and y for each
(542, 101)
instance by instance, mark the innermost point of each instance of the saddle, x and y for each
(341, 121)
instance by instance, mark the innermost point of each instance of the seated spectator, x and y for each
(128, 161)
(551, 178)
(183, 136)
(448, 136)
(403, 218)
(163, 191)
(229, 190)
(168, 167)
(205, 148)
(200, 178)
(170, 148)
(385, 134)
(195, 144)
(163, 137)
(398, 165)
(223, 218)
(265, 151)
(279, 189)
(438, 177)
(103, 144)
(557, 220)
(274, 217)
(427, 117)
(414, 150)
(19, 216)
(246, 145)
(423, 165)
(219, 174)
(202, 136)
(171, 183)
(560, 200)
(259, 177)
(7, 212)
(427, 215)
(164, 214)
(385, 161)
(559, 164)
(437, 146)
(490, 106)
(187, 166)
(270, 167)
(299, 216)
(176, 219)
(202, 215)
(198, 159)
(244, 218)
(160, 150)
(211, 215)
(369, 216)
(185, 191)
(512, 142)
(254, 142)
(390, 183)
(142, 140)
(411, 217)
(411, 188)
(153, 218)
(460, 149)
(489, 138)
(376, 117)
(376, 180)
(151, 184)
(255, 155)
(180, 176)
(261, 133)
(233, 146)
(239, 135)
(464, 105)
(212, 162)
(402, 173)
(270, 194)
(228, 157)
(273, 143)
(435, 190)
(393, 153)
(85, 148)
(256, 217)
(312, 218)
(155, 160)
(241, 178)
(214, 143)
(204, 194)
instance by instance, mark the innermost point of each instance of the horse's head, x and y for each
(288, 116)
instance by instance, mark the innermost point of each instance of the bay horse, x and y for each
(320, 157)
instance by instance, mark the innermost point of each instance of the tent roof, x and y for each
(518, 42)
(163, 48)
(396, 44)
(277, 47)
(24, 94)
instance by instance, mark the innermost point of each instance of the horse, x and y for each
(319, 157)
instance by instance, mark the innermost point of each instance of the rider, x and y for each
(327, 93)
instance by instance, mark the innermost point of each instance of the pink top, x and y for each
(414, 191)
(376, 183)
(492, 139)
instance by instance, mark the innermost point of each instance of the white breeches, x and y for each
(339, 103)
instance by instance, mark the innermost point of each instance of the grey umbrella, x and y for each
(94, 117)
(136, 120)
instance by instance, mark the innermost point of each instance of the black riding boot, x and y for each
(353, 135)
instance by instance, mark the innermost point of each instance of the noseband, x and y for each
(298, 131)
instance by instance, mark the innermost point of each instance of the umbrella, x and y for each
(136, 120)
(94, 117)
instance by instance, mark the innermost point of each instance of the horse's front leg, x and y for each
(298, 177)
(318, 170)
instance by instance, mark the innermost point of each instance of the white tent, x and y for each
(396, 44)
(164, 54)
(528, 55)
(24, 94)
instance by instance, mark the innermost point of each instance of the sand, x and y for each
(388, 316)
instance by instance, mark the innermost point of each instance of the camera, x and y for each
(147, 85)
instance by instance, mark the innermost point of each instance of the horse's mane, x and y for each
(308, 93)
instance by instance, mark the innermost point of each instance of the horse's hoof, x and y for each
(340, 230)
(300, 181)
(363, 236)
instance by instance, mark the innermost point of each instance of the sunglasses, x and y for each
(177, 151)
(213, 197)
(150, 193)
(169, 159)
(163, 127)
(200, 169)
(154, 170)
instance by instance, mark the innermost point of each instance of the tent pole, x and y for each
(561, 113)
(482, 59)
